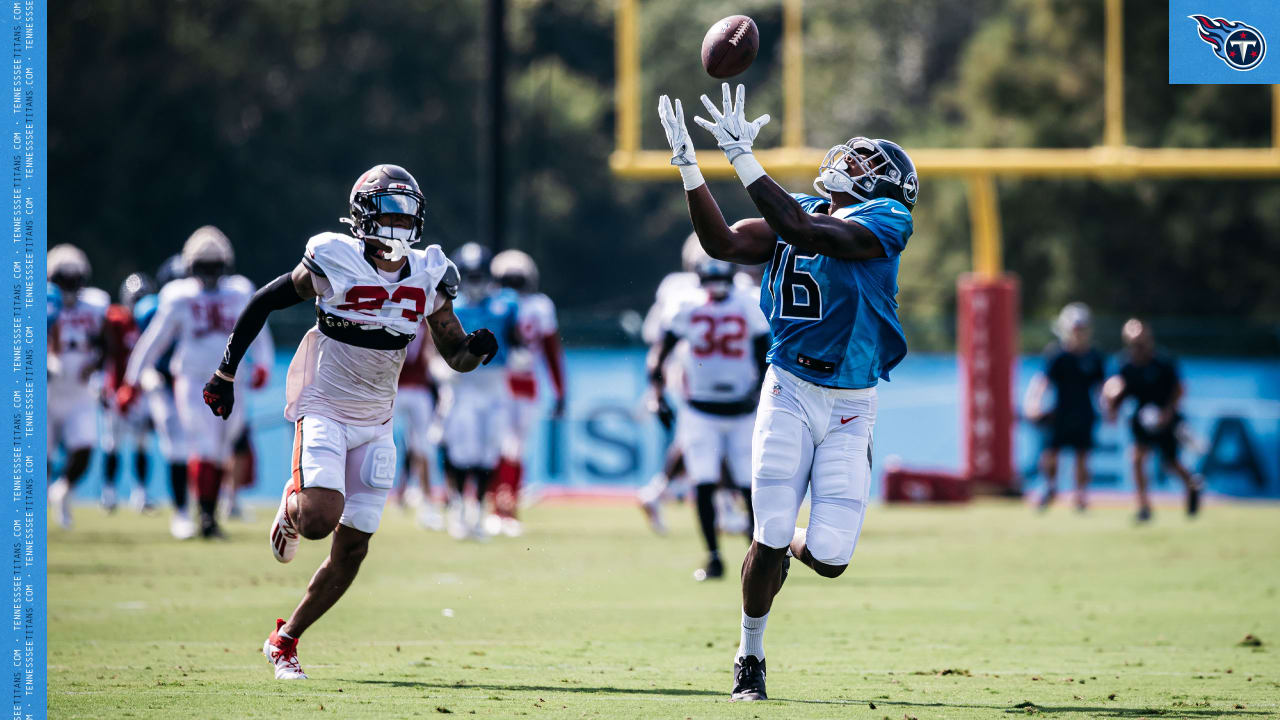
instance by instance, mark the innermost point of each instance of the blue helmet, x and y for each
(880, 169)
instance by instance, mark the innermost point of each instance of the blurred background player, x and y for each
(416, 414)
(674, 289)
(726, 338)
(197, 313)
(1153, 381)
(156, 384)
(539, 335)
(124, 428)
(476, 409)
(76, 353)
(1073, 371)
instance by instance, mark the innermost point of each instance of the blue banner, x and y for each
(24, 633)
(1223, 42)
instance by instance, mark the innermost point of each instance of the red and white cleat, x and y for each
(283, 654)
(283, 535)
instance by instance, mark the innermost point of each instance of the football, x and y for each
(730, 46)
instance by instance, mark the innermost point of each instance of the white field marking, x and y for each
(131, 605)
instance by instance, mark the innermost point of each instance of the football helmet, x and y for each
(67, 267)
(516, 270)
(207, 255)
(716, 276)
(387, 190)
(473, 261)
(868, 169)
(134, 287)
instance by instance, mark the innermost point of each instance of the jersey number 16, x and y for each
(800, 293)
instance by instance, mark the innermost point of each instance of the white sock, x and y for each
(752, 642)
(283, 635)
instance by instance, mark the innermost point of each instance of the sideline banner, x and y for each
(25, 520)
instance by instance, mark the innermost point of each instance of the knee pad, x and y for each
(362, 518)
(833, 532)
(775, 508)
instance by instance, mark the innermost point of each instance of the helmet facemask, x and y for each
(368, 208)
(862, 156)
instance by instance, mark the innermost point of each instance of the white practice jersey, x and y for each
(75, 340)
(674, 289)
(720, 365)
(196, 320)
(535, 320)
(348, 365)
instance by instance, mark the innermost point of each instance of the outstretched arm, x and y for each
(814, 234)
(749, 242)
(285, 291)
(461, 351)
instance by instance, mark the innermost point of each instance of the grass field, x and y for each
(984, 612)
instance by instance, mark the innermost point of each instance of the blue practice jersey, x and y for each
(835, 322)
(497, 312)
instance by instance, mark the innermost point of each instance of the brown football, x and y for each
(730, 46)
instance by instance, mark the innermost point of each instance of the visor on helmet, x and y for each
(395, 203)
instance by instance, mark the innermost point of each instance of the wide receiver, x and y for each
(371, 290)
(829, 294)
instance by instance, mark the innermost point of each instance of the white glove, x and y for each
(682, 152)
(732, 132)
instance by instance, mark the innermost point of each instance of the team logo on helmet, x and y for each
(1240, 46)
(910, 188)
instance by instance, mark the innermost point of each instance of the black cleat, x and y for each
(210, 529)
(1193, 496)
(1143, 516)
(748, 685)
(713, 571)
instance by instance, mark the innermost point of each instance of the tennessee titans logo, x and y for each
(1238, 45)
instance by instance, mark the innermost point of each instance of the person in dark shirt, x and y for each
(1153, 381)
(1073, 370)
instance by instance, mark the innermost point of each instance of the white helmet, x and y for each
(516, 270)
(207, 252)
(692, 253)
(67, 265)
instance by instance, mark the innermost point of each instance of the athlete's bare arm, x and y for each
(450, 339)
(748, 242)
(816, 234)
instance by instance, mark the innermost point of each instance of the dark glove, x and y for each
(666, 414)
(220, 395)
(483, 345)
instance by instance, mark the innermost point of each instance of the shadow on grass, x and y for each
(1090, 711)
(497, 687)
(1104, 711)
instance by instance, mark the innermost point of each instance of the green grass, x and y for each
(983, 612)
